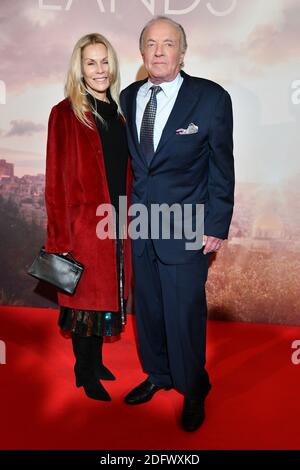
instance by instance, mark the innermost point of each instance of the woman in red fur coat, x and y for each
(88, 165)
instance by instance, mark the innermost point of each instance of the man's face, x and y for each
(162, 51)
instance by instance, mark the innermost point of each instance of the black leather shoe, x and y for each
(143, 393)
(192, 414)
(102, 373)
(95, 390)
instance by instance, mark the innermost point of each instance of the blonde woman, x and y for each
(88, 165)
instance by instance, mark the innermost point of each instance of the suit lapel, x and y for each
(131, 117)
(185, 101)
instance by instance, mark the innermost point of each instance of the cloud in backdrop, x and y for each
(253, 52)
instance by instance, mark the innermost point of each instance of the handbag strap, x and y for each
(72, 257)
(66, 256)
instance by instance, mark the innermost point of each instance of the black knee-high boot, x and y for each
(84, 368)
(101, 372)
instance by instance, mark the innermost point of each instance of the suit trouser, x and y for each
(171, 314)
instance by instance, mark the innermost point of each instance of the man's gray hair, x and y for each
(169, 20)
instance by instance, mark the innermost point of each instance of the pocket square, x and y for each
(191, 129)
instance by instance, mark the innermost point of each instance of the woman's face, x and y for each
(95, 69)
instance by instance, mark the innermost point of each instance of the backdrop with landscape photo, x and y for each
(251, 48)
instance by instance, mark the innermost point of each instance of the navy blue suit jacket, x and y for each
(186, 169)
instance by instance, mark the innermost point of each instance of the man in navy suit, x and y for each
(180, 140)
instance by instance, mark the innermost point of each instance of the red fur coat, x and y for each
(75, 186)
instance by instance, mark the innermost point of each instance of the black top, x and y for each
(114, 144)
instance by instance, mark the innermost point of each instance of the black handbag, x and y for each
(62, 271)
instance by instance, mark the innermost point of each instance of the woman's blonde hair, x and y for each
(75, 87)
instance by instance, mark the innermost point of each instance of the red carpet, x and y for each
(254, 403)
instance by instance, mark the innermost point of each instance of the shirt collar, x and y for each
(168, 88)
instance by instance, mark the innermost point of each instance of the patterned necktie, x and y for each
(147, 126)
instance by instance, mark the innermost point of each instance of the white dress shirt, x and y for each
(165, 102)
